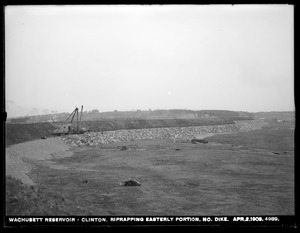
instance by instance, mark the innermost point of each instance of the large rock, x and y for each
(196, 141)
(130, 182)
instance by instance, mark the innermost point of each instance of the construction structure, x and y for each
(69, 128)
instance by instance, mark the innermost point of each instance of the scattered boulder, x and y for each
(124, 148)
(130, 182)
(43, 137)
(177, 149)
(196, 141)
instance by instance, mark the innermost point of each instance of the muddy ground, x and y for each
(226, 176)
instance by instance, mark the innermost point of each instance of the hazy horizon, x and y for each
(100, 112)
(194, 57)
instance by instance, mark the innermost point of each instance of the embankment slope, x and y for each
(18, 133)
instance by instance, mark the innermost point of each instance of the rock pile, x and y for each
(180, 134)
(130, 182)
(195, 141)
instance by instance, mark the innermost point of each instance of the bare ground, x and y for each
(19, 157)
(218, 178)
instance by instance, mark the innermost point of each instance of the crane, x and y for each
(67, 128)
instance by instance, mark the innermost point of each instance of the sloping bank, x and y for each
(118, 124)
(181, 134)
(19, 157)
(18, 133)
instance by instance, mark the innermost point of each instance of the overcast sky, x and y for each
(149, 57)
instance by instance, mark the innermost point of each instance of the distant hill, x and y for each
(172, 114)
(142, 115)
(273, 116)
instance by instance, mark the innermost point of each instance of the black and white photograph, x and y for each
(149, 115)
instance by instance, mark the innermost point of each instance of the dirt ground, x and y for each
(19, 157)
(226, 176)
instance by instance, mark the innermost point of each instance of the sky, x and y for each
(129, 57)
